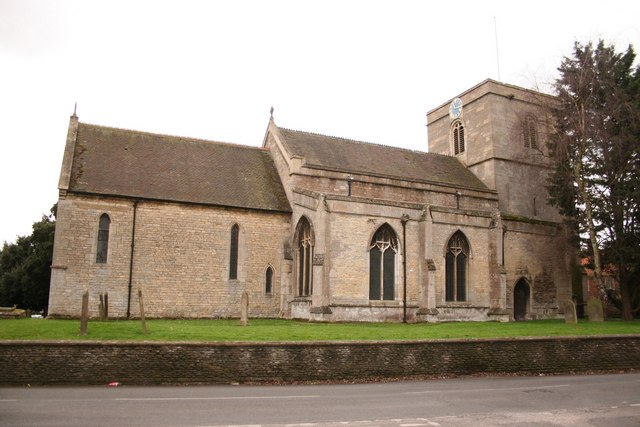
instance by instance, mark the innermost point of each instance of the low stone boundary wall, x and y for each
(73, 362)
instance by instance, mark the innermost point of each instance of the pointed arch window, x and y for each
(457, 137)
(268, 280)
(233, 252)
(305, 258)
(456, 267)
(520, 300)
(382, 262)
(103, 239)
(530, 131)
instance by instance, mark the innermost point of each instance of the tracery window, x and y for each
(103, 239)
(530, 131)
(304, 253)
(382, 262)
(456, 267)
(457, 137)
(233, 252)
(268, 280)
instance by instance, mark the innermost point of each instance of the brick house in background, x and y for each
(589, 288)
(318, 227)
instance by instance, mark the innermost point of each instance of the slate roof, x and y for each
(355, 157)
(118, 162)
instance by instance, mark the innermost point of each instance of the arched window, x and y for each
(530, 131)
(304, 253)
(233, 253)
(382, 262)
(103, 239)
(457, 137)
(268, 280)
(456, 267)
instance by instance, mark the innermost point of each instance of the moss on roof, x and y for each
(345, 155)
(118, 162)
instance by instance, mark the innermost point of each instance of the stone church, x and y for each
(318, 227)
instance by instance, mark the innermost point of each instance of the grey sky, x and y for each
(366, 70)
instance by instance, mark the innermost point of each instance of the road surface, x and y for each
(584, 400)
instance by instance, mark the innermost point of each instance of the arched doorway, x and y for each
(520, 300)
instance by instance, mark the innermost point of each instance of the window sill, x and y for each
(385, 303)
(460, 304)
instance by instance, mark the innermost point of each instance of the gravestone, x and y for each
(103, 307)
(570, 315)
(595, 312)
(143, 320)
(84, 313)
(244, 309)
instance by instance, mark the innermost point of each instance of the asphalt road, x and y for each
(585, 400)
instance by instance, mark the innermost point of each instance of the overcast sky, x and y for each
(365, 70)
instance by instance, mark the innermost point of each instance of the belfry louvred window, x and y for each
(456, 268)
(382, 262)
(457, 135)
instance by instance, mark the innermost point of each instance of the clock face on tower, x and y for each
(455, 109)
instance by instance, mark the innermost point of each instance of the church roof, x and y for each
(118, 162)
(355, 157)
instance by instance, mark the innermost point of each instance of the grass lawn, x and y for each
(287, 330)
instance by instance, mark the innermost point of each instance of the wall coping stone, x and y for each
(312, 343)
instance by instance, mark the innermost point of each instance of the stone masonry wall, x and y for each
(481, 257)
(495, 150)
(180, 261)
(32, 362)
(548, 273)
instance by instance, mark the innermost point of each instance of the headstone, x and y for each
(142, 318)
(570, 315)
(104, 307)
(84, 314)
(595, 311)
(244, 309)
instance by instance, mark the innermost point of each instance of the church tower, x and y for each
(499, 132)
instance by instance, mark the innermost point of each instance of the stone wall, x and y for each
(481, 258)
(548, 273)
(343, 229)
(32, 362)
(180, 259)
(495, 150)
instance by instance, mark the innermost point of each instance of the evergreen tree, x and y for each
(597, 147)
(25, 267)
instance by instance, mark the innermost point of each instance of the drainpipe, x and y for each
(404, 220)
(350, 179)
(133, 245)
